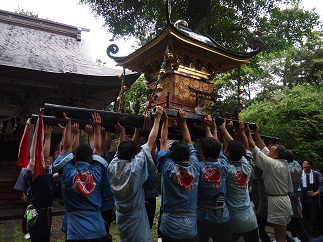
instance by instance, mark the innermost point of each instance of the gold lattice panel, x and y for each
(180, 95)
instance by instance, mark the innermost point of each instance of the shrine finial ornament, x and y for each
(168, 11)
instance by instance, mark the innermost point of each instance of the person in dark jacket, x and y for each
(311, 187)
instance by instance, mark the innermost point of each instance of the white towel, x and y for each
(304, 178)
(290, 183)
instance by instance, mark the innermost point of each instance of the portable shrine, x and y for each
(180, 65)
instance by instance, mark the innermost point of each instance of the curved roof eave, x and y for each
(209, 44)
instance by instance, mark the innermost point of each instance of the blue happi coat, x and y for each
(179, 195)
(126, 181)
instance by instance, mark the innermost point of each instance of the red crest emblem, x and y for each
(84, 183)
(211, 175)
(184, 179)
(241, 179)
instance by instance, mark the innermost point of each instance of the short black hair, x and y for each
(180, 152)
(280, 151)
(83, 153)
(210, 147)
(236, 150)
(127, 150)
(289, 156)
(309, 161)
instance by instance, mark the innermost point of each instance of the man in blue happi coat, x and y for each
(243, 220)
(81, 176)
(179, 168)
(213, 215)
(127, 173)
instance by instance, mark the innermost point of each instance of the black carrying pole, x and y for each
(198, 118)
(129, 121)
(126, 120)
(53, 121)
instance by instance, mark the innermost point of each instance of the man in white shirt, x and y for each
(277, 182)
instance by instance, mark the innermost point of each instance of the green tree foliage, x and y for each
(296, 117)
(22, 11)
(305, 64)
(134, 99)
(288, 68)
(283, 28)
(295, 65)
(100, 62)
(231, 23)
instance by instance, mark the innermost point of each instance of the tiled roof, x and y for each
(43, 45)
(45, 61)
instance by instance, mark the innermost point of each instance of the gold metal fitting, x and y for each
(162, 72)
(159, 87)
(170, 55)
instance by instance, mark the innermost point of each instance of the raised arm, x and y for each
(136, 136)
(206, 124)
(243, 135)
(260, 142)
(214, 129)
(90, 134)
(62, 129)
(106, 140)
(76, 135)
(186, 136)
(247, 133)
(121, 132)
(67, 142)
(157, 113)
(225, 134)
(164, 133)
(96, 120)
(47, 135)
(251, 142)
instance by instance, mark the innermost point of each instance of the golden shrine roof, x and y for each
(188, 49)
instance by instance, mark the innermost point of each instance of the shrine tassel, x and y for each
(120, 97)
